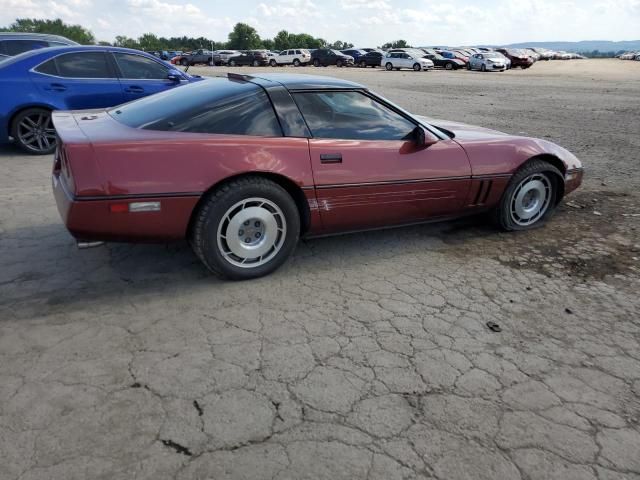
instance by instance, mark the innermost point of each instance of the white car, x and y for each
(400, 60)
(295, 57)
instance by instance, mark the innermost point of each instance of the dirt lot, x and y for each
(366, 356)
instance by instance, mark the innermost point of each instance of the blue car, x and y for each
(77, 77)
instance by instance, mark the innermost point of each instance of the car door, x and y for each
(367, 168)
(141, 76)
(78, 80)
(406, 61)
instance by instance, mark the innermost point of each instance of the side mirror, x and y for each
(174, 76)
(422, 138)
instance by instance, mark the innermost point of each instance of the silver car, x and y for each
(487, 62)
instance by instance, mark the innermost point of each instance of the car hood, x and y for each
(462, 131)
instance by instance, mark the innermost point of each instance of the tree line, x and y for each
(242, 37)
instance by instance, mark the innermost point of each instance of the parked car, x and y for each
(73, 78)
(221, 57)
(294, 56)
(255, 58)
(446, 63)
(370, 59)
(506, 59)
(400, 60)
(487, 62)
(15, 43)
(259, 169)
(519, 58)
(328, 56)
(200, 56)
(355, 53)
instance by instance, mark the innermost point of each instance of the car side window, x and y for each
(138, 67)
(83, 65)
(48, 67)
(16, 47)
(244, 114)
(351, 116)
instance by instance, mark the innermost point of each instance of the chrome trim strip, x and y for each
(133, 196)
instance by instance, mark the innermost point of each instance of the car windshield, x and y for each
(336, 52)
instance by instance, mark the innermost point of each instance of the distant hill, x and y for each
(583, 46)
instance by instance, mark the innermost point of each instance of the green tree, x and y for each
(149, 41)
(282, 41)
(126, 42)
(396, 44)
(244, 37)
(340, 45)
(55, 27)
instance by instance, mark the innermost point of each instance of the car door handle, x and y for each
(134, 89)
(56, 87)
(330, 158)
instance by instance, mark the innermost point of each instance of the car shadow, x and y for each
(42, 271)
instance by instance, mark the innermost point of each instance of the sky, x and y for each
(365, 23)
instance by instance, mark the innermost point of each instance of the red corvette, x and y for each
(242, 166)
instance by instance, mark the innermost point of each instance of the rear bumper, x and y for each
(92, 218)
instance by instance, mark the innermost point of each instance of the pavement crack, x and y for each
(177, 447)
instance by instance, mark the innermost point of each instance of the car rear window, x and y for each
(16, 47)
(216, 105)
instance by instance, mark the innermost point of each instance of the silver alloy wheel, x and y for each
(251, 232)
(36, 133)
(530, 200)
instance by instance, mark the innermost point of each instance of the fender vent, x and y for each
(484, 188)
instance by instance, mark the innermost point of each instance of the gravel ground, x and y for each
(366, 356)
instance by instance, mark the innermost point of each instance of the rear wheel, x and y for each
(389, 66)
(184, 62)
(232, 63)
(246, 228)
(469, 66)
(530, 197)
(483, 68)
(256, 63)
(416, 67)
(363, 64)
(316, 62)
(296, 62)
(33, 131)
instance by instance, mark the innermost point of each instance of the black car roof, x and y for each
(293, 81)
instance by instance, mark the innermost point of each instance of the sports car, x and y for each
(242, 166)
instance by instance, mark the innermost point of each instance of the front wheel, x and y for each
(316, 62)
(389, 66)
(246, 228)
(339, 63)
(530, 197)
(33, 131)
(416, 67)
(448, 66)
(184, 62)
(256, 63)
(232, 63)
(363, 64)
(468, 66)
(483, 68)
(273, 63)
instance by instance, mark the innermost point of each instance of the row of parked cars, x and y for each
(630, 56)
(471, 58)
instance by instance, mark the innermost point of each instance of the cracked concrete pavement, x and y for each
(366, 356)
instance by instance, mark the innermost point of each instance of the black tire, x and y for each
(296, 62)
(232, 63)
(502, 214)
(416, 67)
(184, 62)
(211, 62)
(256, 63)
(32, 131)
(204, 234)
(448, 66)
(389, 66)
(363, 64)
(316, 62)
(339, 63)
(469, 66)
(273, 63)
(483, 68)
